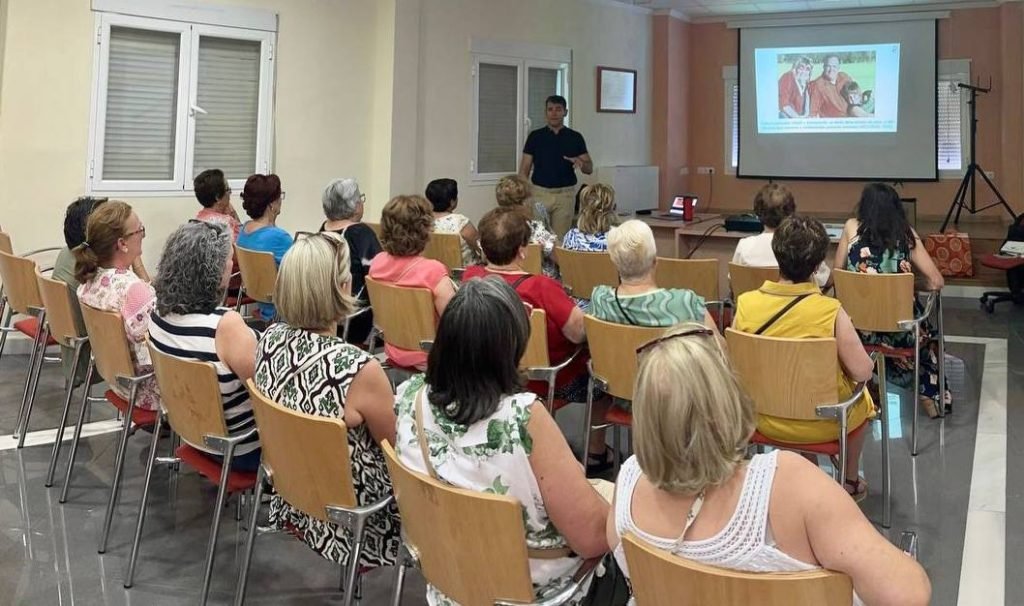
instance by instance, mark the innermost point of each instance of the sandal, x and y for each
(857, 489)
(600, 463)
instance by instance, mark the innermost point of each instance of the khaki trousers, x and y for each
(560, 202)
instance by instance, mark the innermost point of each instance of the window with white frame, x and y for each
(952, 125)
(172, 98)
(510, 85)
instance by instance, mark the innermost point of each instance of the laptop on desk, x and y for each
(676, 211)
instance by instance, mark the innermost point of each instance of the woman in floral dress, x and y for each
(515, 191)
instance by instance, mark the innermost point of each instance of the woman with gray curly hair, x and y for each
(190, 323)
(343, 206)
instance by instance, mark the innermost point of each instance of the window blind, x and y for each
(949, 125)
(735, 125)
(542, 82)
(497, 128)
(142, 94)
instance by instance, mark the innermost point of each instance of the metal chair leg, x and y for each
(942, 356)
(222, 490)
(915, 397)
(45, 334)
(115, 486)
(64, 415)
(396, 599)
(86, 404)
(6, 326)
(584, 446)
(129, 576)
(250, 540)
(886, 433)
(616, 430)
(28, 382)
(357, 529)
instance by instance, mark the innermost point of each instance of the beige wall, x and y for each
(324, 115)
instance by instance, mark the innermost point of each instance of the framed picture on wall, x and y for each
(616, 90)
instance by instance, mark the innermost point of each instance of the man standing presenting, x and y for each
(826, 90)
(554, 152)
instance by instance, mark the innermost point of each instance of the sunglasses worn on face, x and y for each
(704, 332)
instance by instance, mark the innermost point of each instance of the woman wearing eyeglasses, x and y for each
(690, 491)
(261, 199)
(108, 267)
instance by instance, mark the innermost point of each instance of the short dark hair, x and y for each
(210, 186)
(76, 217)
(557, 100)
(773, 203)
(503, 231)
(259, 192)
(441, 193)
(469, 368)
(800, 245)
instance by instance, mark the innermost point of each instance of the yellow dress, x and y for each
(814, 316)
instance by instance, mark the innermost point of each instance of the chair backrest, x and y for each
(786, 378)
(405, 315)
(698, 275)
(109, 343)
(446, 248)
(190, 393)
(470, 544)
(582, 271)
(532, 262)
(744, 278)
(875, 302)
(307, 456)
(660, 578)
(259, 273)
(536, 354)
(60, 309)
(5, 243)
(19, 277)
(613, 352)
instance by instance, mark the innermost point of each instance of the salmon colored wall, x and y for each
(991, 38)
(670, 103)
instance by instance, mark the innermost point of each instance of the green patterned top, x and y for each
(659, 307)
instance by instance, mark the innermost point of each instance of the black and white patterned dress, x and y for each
(321, 390)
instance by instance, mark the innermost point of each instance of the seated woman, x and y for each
(515, 192)
(528, 459)
(189, 323)
(772, 204)
(504, 234)
(444, 196)
(405, 227)
(880, 240)
(774, 513)
(597, 216)
(261, 199)
(638, 300)
(105, 267)
(800, 245)
(343, 206)
(316, 373)
(214, 194)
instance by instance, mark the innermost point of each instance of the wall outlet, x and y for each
(705, 170)
(684, 170)
(991, 174)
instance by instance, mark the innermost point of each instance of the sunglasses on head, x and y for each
(704, 332)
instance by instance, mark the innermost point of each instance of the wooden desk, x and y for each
(665, 238)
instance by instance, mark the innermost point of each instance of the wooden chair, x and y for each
(191, 403)
(443, 529)
(795, 379)
(63, 326)
(660, 578)
(885, 303)
(375, 227)
(5, 326)
(112, 358)
(259, 274)
(536, 361)
(306, 461)
(446, 248)
(21, 293)
(582, 271)
(744, 278)
(533, 261)
(404, 317)
(698, 275)
(613, 368)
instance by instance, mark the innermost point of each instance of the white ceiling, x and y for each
(697, 9)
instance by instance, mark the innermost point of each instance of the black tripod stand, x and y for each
(960, 200)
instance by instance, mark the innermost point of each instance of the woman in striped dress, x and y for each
(190, 323)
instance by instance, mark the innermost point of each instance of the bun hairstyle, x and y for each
(106, 226)
(259, 192)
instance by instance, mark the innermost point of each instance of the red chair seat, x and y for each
(726, 313)
(30, 327)
(825, 448)
(618, 416)
(1003, 263)
(139, 416)
(210, 469)
(890, 352)
(232, 301)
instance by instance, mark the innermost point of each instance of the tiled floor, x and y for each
(959, 485)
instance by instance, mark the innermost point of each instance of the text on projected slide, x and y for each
(827, 89)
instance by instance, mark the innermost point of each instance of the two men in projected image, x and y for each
(826, 90)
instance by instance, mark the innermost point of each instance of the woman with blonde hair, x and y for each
(597, 216)
(776, 512)
(515, 191)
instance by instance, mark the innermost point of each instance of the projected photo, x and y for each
(839, 89)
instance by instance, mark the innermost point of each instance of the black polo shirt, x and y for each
(549, 150)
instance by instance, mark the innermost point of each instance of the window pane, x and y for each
(542, 83)
(229, 91)
(496, 127)
(142, 95)
(949, 133)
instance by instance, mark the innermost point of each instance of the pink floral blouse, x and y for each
(121, 291)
